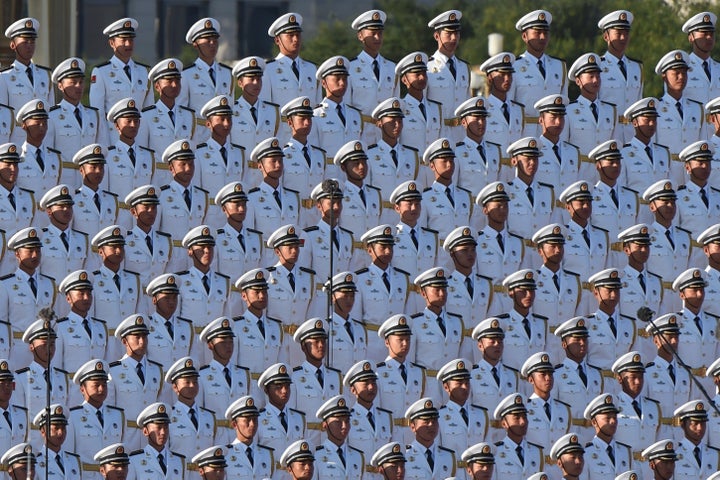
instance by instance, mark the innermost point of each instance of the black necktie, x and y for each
(140, 374)
(697, 455)
(78, 116)
(283, 421)
(261, 328)
(448, 193)
(341, 455)
(614, 198)
(241, 240)
(413, 238)
(334, 239)
(621, 65)
(671, 372)
(212, 75)
(361, 192)
(586, 237)
(649, 153)
(291, 281)
(339, 111)
(48, 380)
(495, 375)
(86, 326)
(96, 201)
(678, 105)
(295, 70)
(556, 150)
(506, 113)
(593, 109)
(668, 235)
(394, 156)
(526, 327)
(320, 378)
(223, 154)
(170, 330)
(206, 283)
(403, 373)
(441, 324)
(186, 197)
(161, 461)
(610, 454)
(556, 281)
(530, 195)
(11, 199)
(500, 242)
(541, 67)
(6, 414)
(481, 151)
(64, 238)
(171, 114)
(470, 287)
(249, 454)
(641, 279)
(386, 281)
(698, 324)
(306, 154)
(193, 418)
(59, 462)
(376, 69)
(421, 106)
(349, 330)
(39, 159)
(706, 68)
(276, 196)
(116, 281)
(253, 112)
(613, 328)
(149, 243)
(521, 457)
(226, 374)
(464, 415)
(581, 374)
(451, 67)
(29, 73)
(33, 286)
(371, 419)
(101, 419)
(636, 407)
(430, 460)
(546, 407)
(704, 198)
(126, 69)
(131, 154)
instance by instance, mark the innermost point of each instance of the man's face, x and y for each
(207, 46)
(35, 129)
(443, 167)
(365, 390)
(492, 348)
(43, 349)
(94, 390)
(393, 471)
(409, 211)
(80, 300)
(480, 471)
(72, 88)
(93, 173)
(675, 79)
(245, 428)
(272, 167)
(183, 170)
(632, 383)
(542, 381)
(552, 123)
(112, 254)
(522, 297)
(337, 428)
(257, 299)
(168, 87)
(381, 254)
(576, 347)
(605, 423)
(582, 208)
(356, 170)
(525, 164)
(220, 125)
(665, 208)
(372, 39)
(24, 48)
(146, 213)
(515, 423)
(551, 252)
(646, 124)
(475, 125)
(693, 296)
(186, 388)
(7, 386)
(589, 82)
(289, 43)
(398, 345)
(202, 255)
(122, 47)
(702, 40)
(211, 473)
(608, 297)
(415, 80)
(344, 300)
(157, 434)
(224, 348)
(638, 251)
(425, 429)
(330, 208)
(315, 348)
(464, 255)
(458, 390)
(114, 472)
(391, 126)
(435, 296)
(609, 167)
(496, 211)
(128, 127)
(28, 258)
(302, 470)
(235, 210)
(572, 463)
(9, 173)
(278, 394)
(501, 81)
(536, 39)
(699, 170)
(447, 40)
(300, 125)
(136, 344)
(56, 436)
(250, 85)
(694, 430)
(617, 39)
(288, 253)
(166, 303)
(663, 469)
(335, 85)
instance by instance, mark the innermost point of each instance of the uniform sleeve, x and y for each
(97, 91)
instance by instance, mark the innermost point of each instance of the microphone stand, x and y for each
(645, 314)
